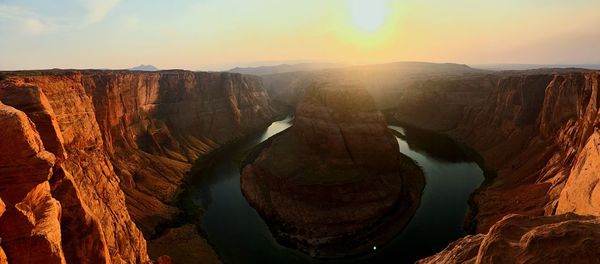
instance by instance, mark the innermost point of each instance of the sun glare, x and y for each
(368, 15)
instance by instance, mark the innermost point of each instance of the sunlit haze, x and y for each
(220, 34)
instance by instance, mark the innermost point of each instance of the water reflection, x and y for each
(241, 236)
(432, 144)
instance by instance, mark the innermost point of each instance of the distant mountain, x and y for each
(417, 67)
(283, 68)
(144, 68)
(520, 67)
(386, 82)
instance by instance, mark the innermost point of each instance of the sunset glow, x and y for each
(368, 15)
(212, 34)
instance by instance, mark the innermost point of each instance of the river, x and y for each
(240, 235)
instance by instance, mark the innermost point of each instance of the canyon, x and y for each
(333, 184)
(92, 162)
(536, 133)
(540, 134)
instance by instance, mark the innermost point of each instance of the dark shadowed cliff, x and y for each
(335, 183)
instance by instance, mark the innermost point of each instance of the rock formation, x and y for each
(31, 220)
(536, 130)
(540, 134)
(91, 161)
(567, 238)
(85, 156)
(536, 133)
(333, 184)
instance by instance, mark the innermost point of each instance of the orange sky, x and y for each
(212, 34)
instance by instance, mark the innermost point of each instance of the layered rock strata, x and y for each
(540, 134)
(335, 183)
(566, 238)
(535, 130)
(88, 155)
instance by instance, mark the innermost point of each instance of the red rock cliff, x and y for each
(540, 133)
(86, 154)
(532, 128)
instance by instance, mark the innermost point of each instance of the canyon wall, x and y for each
(536, 130)
(88, 155)
(539, 132)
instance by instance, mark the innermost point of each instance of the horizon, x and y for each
(333, 65)
(220, 35)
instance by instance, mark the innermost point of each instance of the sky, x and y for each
(221, 34)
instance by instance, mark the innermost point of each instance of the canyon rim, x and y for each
(260, 131)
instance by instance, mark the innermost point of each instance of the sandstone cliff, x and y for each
(534, 131)
(567, 238)
(86, 154)
(531, 128)
(539, 132)
(31, 222)
(335, 183)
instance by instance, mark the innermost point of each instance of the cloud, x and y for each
(32, 25)
(97, 9)
(32, 18)
(23, 18)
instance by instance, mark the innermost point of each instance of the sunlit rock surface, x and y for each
(87, 157)
(567, 238)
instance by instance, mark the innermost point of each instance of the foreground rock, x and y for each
(567, 238)
(87, 157)
(31, 220)
(335, 183)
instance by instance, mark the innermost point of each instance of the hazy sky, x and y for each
(219, 34)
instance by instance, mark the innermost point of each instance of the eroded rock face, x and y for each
(567, 238)
(87, 154)
(540, 133)
(325, 185)
(82, 177)
(31, 220)
(530, 127)
(580, 194)
(156, 124)
(3, 259)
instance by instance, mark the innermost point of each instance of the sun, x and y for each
(368, 15)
